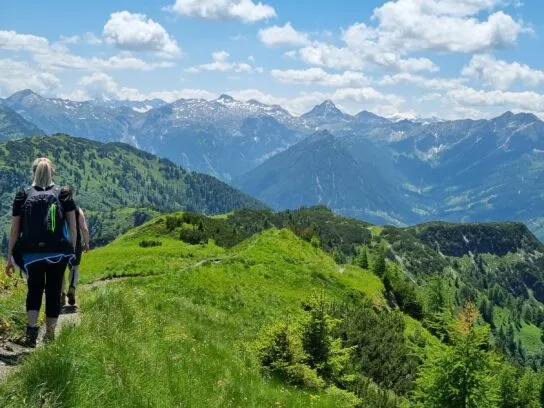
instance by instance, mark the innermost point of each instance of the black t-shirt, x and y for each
(65, 197)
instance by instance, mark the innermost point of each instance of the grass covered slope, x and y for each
(115, 182)
(185, 336)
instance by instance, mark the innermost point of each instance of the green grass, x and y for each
(530, 338)
(183, 337)
(529, 334)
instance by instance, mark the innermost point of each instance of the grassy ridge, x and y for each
(183, 337)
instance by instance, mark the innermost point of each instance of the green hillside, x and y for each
(301, 308)
(14, 126)
(119, 185)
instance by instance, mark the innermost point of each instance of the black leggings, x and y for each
(43, 275)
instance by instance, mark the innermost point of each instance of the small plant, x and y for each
(150, 243)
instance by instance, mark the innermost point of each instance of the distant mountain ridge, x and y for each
(463, 170)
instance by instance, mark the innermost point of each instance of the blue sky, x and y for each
(404, 58)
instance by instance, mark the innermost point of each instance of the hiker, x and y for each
(81, 246)
(42, 243)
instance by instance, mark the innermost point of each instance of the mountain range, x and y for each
(389, 171)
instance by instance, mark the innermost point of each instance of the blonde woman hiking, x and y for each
(42, 242)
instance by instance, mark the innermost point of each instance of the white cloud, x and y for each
(221, 63)
(279, 36)
(430, 97)
(365, 95)
(17, 75)
(319, 77)
(220, 56)
(402, 27)
(11, 40)
(75, 39)
(102, 86)
(531, 101)
(447, 25)
(58, 57)
(136, 32)
(347, 58)
(501, 74)
(291, 54)
(422, 82)
(242, 10)
(64, 61)
(92, 39)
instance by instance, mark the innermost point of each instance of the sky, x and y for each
(400, 58)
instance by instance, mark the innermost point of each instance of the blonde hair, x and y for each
(42, 172)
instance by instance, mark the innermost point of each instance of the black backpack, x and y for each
(42, 221)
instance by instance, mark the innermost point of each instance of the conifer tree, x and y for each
(461, 376)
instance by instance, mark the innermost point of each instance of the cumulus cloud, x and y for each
(17, 75)
(74, 39)
(102, 86)
(58, 56)
(279, 36)
(319, 77)
(220, 62)
(92, 39)
(421, 82)
(448, 25)
(11, 40)
(246, 11)
(136, 32)
(501, 74)
(528, 100)
(331, 56)
(402, 27)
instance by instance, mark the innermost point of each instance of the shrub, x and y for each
(150, 243)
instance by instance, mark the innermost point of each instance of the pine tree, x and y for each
(362, 258)
(379, 265)
(462, 376)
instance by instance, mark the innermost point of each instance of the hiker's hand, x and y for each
(86, 247)
(10, 268)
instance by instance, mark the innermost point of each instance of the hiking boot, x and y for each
(49, 335)
(31, 336)
(72, 296)
(62, 299)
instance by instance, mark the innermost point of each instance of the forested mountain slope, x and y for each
(118, 185)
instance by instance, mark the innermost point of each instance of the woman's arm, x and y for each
(71, 218)
(84, 230)
(13, 238)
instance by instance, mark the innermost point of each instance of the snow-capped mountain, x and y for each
(325, 116)
(85, 119)
(137, 106)
(455, 170)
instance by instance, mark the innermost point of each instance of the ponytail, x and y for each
(42, 172)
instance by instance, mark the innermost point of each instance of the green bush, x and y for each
(150, 243)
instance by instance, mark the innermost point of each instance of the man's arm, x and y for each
(71, 218)
(84, 230)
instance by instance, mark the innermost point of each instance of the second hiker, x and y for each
(82, 245)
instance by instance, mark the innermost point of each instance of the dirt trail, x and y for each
(12, 353)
